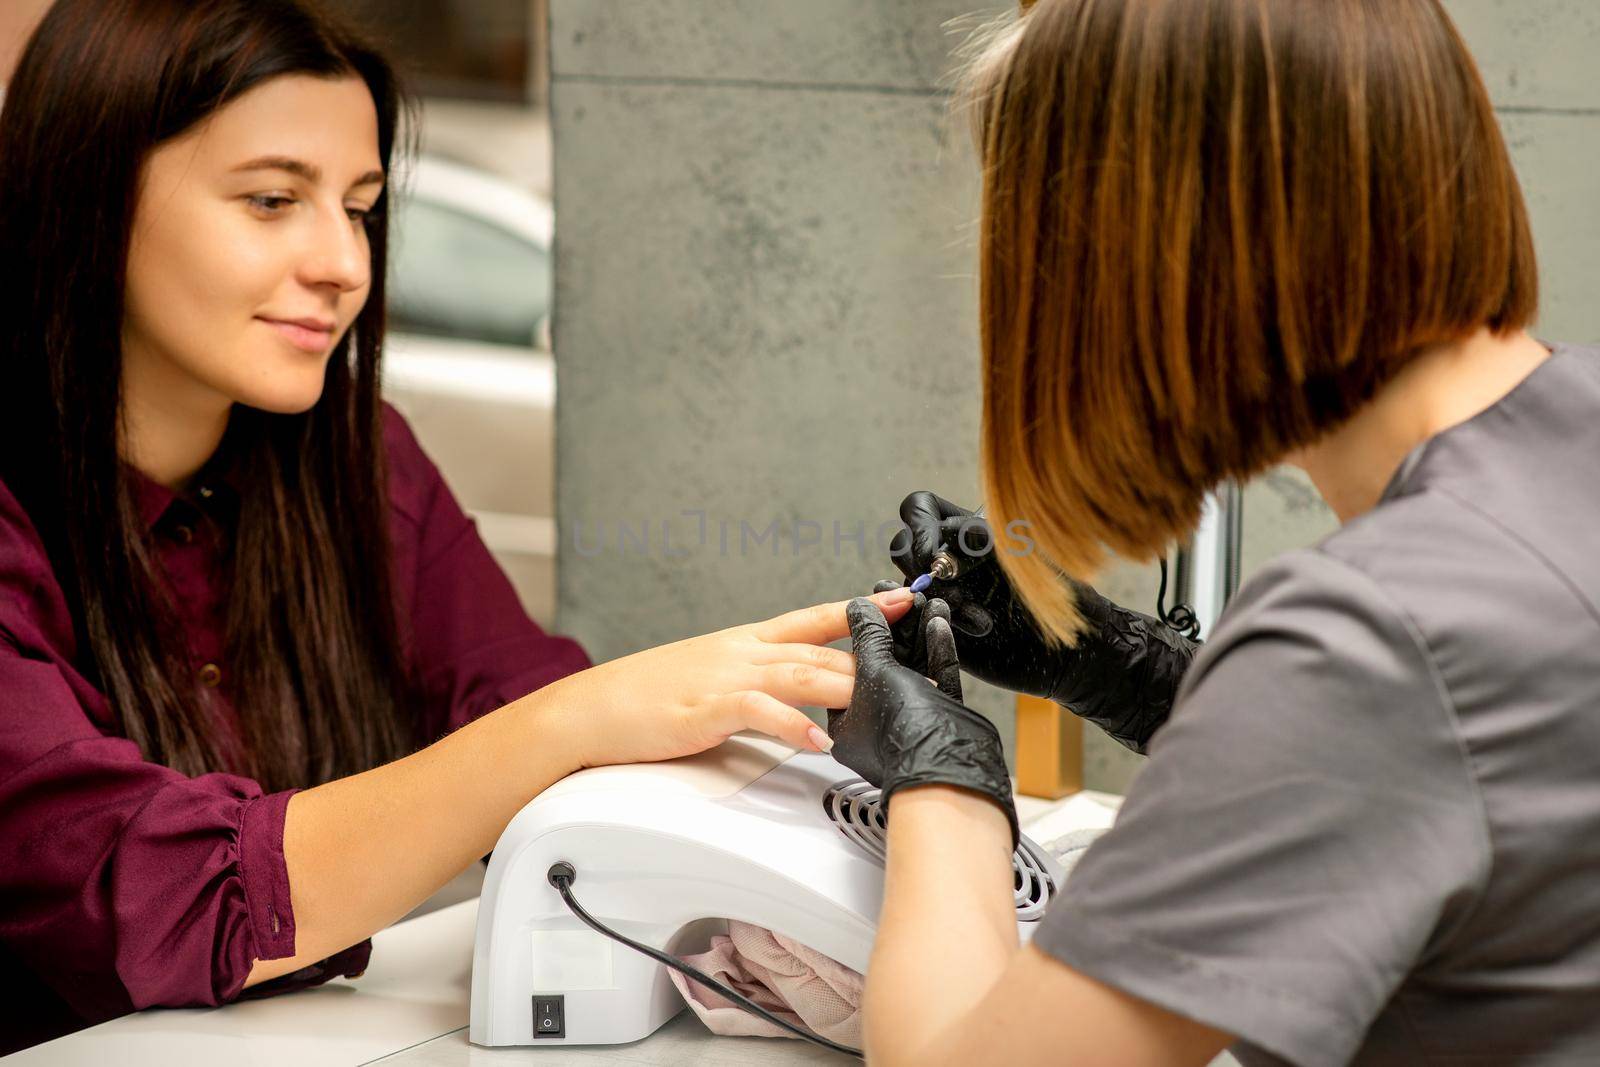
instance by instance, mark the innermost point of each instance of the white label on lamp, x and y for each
(571, 959)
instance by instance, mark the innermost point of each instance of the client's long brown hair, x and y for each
(317, 669)
(1211, 231)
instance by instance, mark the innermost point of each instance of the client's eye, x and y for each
(270, 203)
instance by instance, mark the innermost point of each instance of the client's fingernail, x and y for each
(895, 596)
(823, 742)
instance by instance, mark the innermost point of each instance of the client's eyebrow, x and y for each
(309, 171)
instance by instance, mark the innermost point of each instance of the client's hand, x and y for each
(683, 698)
(902, 729)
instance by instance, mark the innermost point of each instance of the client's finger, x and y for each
(822, 623)
(831, 659)
(754, 710)
(801, 684)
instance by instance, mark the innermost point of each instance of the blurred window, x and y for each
(455, 275)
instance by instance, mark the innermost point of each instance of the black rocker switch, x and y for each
(549, 1015)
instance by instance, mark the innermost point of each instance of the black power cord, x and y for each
(1182, 617)
(562, 875)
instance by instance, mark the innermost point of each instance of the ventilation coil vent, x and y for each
(857, 810)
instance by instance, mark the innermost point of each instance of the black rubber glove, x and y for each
(1122, 676)
(900, 731)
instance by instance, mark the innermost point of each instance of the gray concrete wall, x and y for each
(1538, 58)
(764, 294)
(764, 303)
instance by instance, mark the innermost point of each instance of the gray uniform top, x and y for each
(1370, 831)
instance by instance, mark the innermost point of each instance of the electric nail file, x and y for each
(946, 565)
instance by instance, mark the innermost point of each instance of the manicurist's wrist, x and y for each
(944, 810)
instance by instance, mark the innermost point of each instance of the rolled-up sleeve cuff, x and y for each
(266, 888)
(348, 963)
(266, 875)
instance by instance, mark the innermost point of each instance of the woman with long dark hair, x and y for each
(1219, 235)
(262, 688)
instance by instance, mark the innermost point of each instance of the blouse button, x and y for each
(184, 534)
(210, 675)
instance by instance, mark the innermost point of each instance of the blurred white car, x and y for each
(468, 356)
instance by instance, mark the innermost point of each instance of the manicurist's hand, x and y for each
(683, 698)
(905, 729)
(995, 634)
(1123, 675)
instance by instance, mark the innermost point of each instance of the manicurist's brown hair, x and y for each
(1211, 230)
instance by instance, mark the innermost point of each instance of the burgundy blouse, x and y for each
(124, 884)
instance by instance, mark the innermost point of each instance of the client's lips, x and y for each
(308, 335)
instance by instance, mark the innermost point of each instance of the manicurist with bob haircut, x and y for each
(1218, 235)
(262, 688)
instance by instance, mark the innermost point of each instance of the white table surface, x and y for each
(411, 1008)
